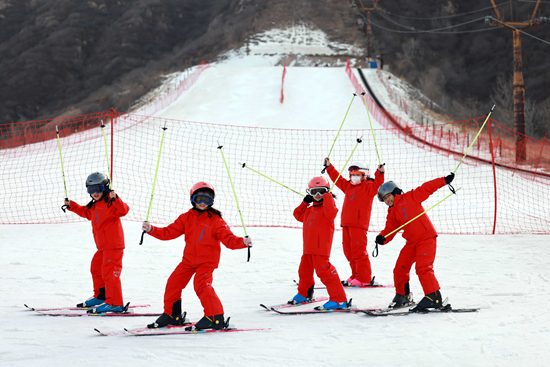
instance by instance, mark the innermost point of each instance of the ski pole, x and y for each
(479, 132)
(340, 174)
(65, 206)
(342, 124)
(154, 181)
(269, 178)
(235, 194)
(418, 216)
(371, 129)
(107, 155)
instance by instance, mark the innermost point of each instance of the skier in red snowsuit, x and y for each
(360, 191)
(318, 220)
(204, 229)
(104, 211)
(421, 241)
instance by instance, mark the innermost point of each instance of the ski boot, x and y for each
(356, 283)
(94, 301)
(432, 300)
(104, 307)
(298, 298)
(210, 322)
(331, 305)
(347, 283)
(166, 320)
(401, 301)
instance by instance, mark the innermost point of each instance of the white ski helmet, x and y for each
(358, 168)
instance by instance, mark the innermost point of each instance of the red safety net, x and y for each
(504, 197)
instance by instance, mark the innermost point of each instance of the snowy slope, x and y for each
(47, 265)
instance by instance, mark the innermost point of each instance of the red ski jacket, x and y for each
(106, 225)
(357, 207)
(203, 233)
(318, 221)
(408, 206)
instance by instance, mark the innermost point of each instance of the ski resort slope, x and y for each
(314, 98)
(48, 265)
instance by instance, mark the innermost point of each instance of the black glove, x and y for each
(380, 239)
(308, 199)
(449, 178)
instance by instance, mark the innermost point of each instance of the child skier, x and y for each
(359, 192)
(421, 241)
(104, 211)
(318, 220)
(204, 228)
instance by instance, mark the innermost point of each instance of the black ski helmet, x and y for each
(97, 178)
(389, 187)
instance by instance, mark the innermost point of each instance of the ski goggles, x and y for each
(202, 198)
(95, 188)
(353, 168)
(317, 190)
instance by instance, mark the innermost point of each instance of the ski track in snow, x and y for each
(48, 266)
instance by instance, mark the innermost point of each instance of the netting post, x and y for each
(494, 174)
(112, 140)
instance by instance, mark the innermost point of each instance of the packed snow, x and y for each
(47, 265)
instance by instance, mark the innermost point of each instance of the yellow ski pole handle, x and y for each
(340, 174)
(154, 182)
(479, 132)
(371, 129)
(269, 178)
(342, 124)
(65, 206)
(421, 214)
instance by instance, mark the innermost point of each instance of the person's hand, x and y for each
(67, 202)
(112, 195)
(308, 199)
(449, 178)
(247, 241)
(380, 239)
(146, 226)
(381, 168)
(326, 162)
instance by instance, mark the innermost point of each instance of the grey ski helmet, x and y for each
(389, 187)
(97, 178)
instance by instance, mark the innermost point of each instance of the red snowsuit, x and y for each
(203, 232)
(318, 221)
(420, 235)
(109, 238)
(355, 221)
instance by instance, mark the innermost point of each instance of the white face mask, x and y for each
(355, 179)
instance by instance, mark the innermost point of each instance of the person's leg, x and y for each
(359, 254)
(329, 276)
(111, 269)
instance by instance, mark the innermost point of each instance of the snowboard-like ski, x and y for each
(72, 308)
(143, 329)
(289, 305)
(350, 308)
(446, 309)
(175, 330)
(322, 286)
(83, 312)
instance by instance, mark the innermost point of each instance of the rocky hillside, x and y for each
(68, 57)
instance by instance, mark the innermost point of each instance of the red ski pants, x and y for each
(202, 283)
(325, 271)
(423, 253)
(106, 268)
(355, 249)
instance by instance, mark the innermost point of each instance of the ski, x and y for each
(69, 314)
(404, 313)
(288, 305)
(142, 329)
(72, 308)
(322, 286)
(307, 312)
(182, 330)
